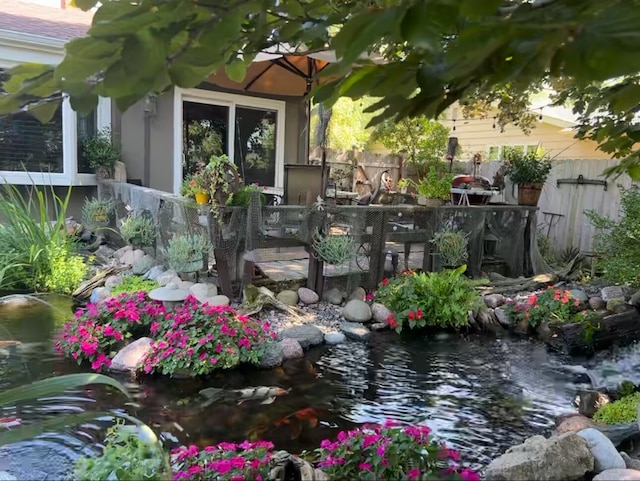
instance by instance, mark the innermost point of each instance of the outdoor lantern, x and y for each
(490, 245)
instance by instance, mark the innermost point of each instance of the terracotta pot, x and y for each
(430, 202)
(202, 197)
(529, 194)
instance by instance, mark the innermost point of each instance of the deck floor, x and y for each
(293, 263)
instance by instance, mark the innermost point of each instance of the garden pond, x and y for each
(481, 394)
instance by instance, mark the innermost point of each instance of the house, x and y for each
(553, 133)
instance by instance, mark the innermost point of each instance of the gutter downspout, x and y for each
(146, 173)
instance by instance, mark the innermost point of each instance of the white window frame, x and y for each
(232, 101)
(501, 148)
(16, 48)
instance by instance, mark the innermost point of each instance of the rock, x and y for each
(166, 277)
(166, 294)
(105, 252)
(615, 305)
(355, 331)
(273, 356)
(563, 458)
(579, 295)
(358, 294)
(379, 312)
(130, 357)
(220, 300)
(604, 452)
(543, 331)
(487, 319)
(307, 296)
(333, 338)
(127, 258)
(154, 273)
(630, 462)
(203, 290)
(291, 349)
(174, 284)
(100, 294)
(618, 475)
(563, 417)
(494, 300)
(290, 298)
(18, 301)
(113, 281)
(4, 476)
(121, 252)
(356, 311)
(596, 303)
(307, 335)
(589, 401)
(333, 296)
(635, 300)
(186, 285)
(502, 317)
(612, 292)
(379, 326)
(574, 424)
(143, 265)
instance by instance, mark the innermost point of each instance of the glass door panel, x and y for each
(255, 145)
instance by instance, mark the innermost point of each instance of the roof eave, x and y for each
(32, 42)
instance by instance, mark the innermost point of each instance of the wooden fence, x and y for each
(562, 205)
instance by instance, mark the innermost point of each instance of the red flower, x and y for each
(411, 315)
(419, 314)
(385, 281)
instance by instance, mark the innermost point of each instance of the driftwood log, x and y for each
(286, 467)
(86, 288)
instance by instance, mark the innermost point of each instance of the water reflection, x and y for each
(481, 394)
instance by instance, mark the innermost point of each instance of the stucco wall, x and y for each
(130, 125)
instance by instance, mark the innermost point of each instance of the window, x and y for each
(249, 130)
(500, 152)
(50, 153)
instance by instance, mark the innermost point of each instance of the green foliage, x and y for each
(243, 196)
(126, 456)
(452, 246)
(424, 141)
(101, 150)
(131, 284)
(138, 229)
(627, 388)
(348, 124)
(549, 305)
(618, 243)
(333, 249)
(431, 299)
(529, 168)
(434, 185)
(546, 248)
(96, 212)
(40, 250)
(185, 252)
(624, 410)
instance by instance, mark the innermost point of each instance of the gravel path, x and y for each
(325, 316)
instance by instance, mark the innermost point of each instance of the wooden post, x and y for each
(377, 248)
(224, 276)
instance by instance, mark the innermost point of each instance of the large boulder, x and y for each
(494, 300)
(307, 335)
(291, 349)
(358, 294)
(563, 458)
(143, 264)
(288, 297)
(380, 312)
(604, 452)
(618, 475)
(99, 294)
(574, 424)
(355, 331)
(166, 277)
(589, 401)
(613, 292)
(334, 338)
(308, 296)
(356, 311)
(203, 290)
(131, 357)
(333, 296)
(154, 272)
(273, 356)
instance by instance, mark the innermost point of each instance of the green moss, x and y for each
(624, 410)
(134, 284)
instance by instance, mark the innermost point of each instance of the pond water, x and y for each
(481, 394)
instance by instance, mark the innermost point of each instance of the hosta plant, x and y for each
(390, 452)
(223, 462)
(427, 299)
(198, 338)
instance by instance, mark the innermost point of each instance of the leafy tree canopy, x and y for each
(436, 51)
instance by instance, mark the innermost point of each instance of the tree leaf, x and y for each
(45, 110)
(236, 70)
(83, 4)
(479, 8)
(84, 104)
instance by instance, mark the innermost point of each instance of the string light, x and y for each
(454, 124)
(494, 122)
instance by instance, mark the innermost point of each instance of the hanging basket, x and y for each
(529, 194)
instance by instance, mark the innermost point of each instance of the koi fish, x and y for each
(266, 393)
(295, 423)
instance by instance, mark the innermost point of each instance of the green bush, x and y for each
(131, 284)
(126, 456)
(624, 410)
(40, 249)
(432, 299)
(618, 243)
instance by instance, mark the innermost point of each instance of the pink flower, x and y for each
(380, 450)
(413, 473)
(155, 326)
(469, 475)
(89, 348)
(213, 360)
(364, 466)
(369, 440)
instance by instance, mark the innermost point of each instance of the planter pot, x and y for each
(430, 202)
(202, 198)
(529, 194)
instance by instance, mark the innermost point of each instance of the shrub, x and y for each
(198, 339)
(618, 243)
(624, 410)
(223, 462)
(132, 284)
(548, 305)
(126, 456)
(138, 230)
(389, 452)
(431, 299)
(99, 329)
(65, 270)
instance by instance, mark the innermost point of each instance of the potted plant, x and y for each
(187, 252)
(195, 185)
(243, 196)
(96, 213)
(451, 245)
(138, 230)
(433, 190)
(529, 172)
(101, 152)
